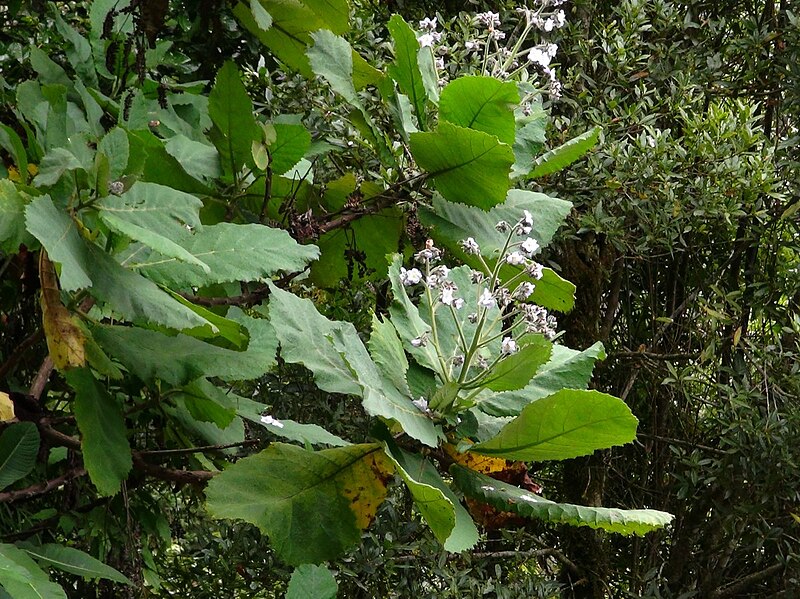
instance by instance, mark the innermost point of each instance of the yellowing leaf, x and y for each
(65, 340)
(478, 463)
(365, 486)
(6, 407)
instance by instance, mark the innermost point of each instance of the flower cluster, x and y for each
(500, 311)
(429, 35)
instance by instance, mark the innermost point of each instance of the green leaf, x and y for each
(154, 215)
(407, 320)
(11, 143)
(376, 235)
(312, 582)
(55, 163)
(116, 148)
(77, 49)
(178, 360)
(231, 111)
(290, 145)
(529, 139)
(12, 218)
(430, 76)
(306, 434)
(509, 498)
(134, 297)
(151, 159)
(565, 154)
(441, 509)
(232, 253)
(515, 371)
(405, 68)
(217, 327)
(552, 292)
(59, 235)
(331, 58)
(333, 351)
(292, 24)
(386, 350)
(262, 17)
(566, 369)
(482, 103)
(199, 160)
(19, 446)
(21, 578)
(106, 452)
(74, 561)
(312, 505)
(567, 424)
(467, 166)
(207, 403)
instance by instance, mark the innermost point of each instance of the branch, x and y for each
(16, 356)
(190, 450)
(170, 474)
(682, 443)
(735, 589)
(41, 488)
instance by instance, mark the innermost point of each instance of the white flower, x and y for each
(410, 277)
(539, 56)
(426, 40)
(473, 317)
(488, 19)
(524, 290)
(515, 258)
(560, 19)
(508, 346)
(430, 253)
(530, 246)
(497, 34)
(458, 303)
(487, 300)
(476, 277)
(427, 24)
(502, 227)
(422, 404)
(448, 293)
(551, 49)
(267, 419)
(482, 363)
(525, 224)
(470, 246)
(535, 270)
(470, 45)
(437, 277)
(419, 341)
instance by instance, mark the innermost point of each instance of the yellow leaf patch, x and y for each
(6, 407)
(364, 485)
(65, 340)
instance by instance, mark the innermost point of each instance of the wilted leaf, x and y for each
(65, 340)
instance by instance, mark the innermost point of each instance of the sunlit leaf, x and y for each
(482, 103)
(312, 582)
(565, 154)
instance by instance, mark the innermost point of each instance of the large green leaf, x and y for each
(313, 505)
(567, 424)
(74, 561)
(156, 215)
(134, 297)
(331, 58)
(333, 351)
(291, 143)
(292, 24)
(565, 154)
(467, 166)
(566, 369)
(405, 68)
(199, 160)
(509, 498)
(178, 360)
(77, 49)
(529, 139)
(231, 111)
(21, 578)
(407, 320)
(232, 252)
(441, 509)
(55, 163)
(19, 445)
(482, 103)
(106, 452)
(309, 581)
(12, 218)
(515, 371)
(59, 234)
(386, 350)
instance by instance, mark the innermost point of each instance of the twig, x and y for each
(653, 355)
(171, 474)
(15, 357)
(190, 450)
(40, 381)
(735, 589)
(41, 488)
(682, 443)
